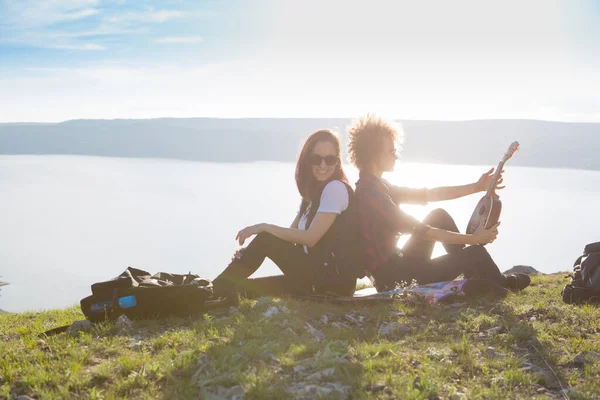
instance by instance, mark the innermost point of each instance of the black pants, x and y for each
(298, 270)
(415, 262)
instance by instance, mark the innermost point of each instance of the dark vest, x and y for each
(335, 257)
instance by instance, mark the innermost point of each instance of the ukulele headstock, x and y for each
(514, 146)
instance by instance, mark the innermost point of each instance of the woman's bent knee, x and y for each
(477, 251)
(438, 213)
(264, 237)
(438, 218)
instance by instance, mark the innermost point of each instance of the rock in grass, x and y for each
(124, 324)
(394, 328)
(417, 382)
(523, 269)
(299, 368)
(549, 380)
(271, 311)
(303, 390)
(587, 357)
(18, 389)
(377, 388)
(317, 334)
(351, 318)
(492, 352)
(317, 376)
(79, 326)
(495, 329)
(220, 392)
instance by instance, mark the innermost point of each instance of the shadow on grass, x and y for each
(268, 355)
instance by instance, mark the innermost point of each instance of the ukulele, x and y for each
(489, 207)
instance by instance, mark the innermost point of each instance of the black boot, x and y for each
(517, 282)
(227, 284)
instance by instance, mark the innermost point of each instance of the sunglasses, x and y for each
(316, 159)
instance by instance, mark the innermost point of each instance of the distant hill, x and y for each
(543, 144)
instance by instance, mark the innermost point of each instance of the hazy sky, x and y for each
(66, 59)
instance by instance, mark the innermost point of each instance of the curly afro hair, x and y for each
(365, 136)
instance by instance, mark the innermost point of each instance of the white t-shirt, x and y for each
(334, 199)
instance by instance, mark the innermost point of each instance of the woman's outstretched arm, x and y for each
(422, 196)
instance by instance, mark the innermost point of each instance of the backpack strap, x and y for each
(54, 331)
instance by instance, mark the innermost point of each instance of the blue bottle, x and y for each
(127, 302)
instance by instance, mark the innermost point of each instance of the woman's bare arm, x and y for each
(451, 192)
(319, 226)
(481, 235)
(406, 195)
(422, 196)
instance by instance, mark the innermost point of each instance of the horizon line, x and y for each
(283, 118)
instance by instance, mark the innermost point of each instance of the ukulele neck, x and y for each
(492, 186)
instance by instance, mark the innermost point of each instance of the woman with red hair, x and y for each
(308, 252)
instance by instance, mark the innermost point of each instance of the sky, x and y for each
(434, 60)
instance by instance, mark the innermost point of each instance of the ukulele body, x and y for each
(488, 209)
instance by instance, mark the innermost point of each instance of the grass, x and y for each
(523, 346)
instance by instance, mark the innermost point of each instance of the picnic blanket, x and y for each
(432, 292)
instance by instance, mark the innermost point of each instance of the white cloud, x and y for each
(156, 16)
(30, 14)
(83, 46)
(34, 23)
(179, 39)
(164, 15)
(102, 30)
(72, 16)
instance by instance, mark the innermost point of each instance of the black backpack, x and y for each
(585, 280)
(137, 294)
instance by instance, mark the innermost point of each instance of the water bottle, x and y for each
(127, 302)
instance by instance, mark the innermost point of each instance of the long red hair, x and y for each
(309, 187)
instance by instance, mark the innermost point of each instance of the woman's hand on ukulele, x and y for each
(483, 235)
(249, 231)
(486, 180)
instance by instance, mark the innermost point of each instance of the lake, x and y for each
(69, 221)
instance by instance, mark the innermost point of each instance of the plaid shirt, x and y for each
(381, 220)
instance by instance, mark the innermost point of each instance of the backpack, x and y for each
(585, 280)
(137, 294)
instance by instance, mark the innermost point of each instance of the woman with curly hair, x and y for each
(309, 251)
(372, 149)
